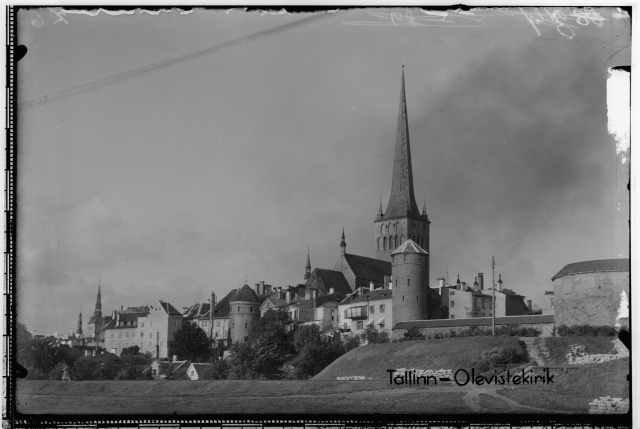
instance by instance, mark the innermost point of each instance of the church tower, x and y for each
(402, 219)
(307, 268)
(79, 330)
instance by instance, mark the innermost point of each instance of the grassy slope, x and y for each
(374, 360)
(574, 391)
(558, 347)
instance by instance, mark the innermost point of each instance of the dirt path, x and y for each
(533, 350)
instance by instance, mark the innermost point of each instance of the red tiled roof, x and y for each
(598, 266)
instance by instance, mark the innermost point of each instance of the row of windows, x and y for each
(250, 309)
(394, 242)
(393, 228)
(360, 325)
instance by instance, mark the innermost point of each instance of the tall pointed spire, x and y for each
(307, 268)
(343, 244)
(79, 330)
(380, 207)
(402, 201)
(99, 299)
(424, 206)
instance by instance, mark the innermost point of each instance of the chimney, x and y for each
(121, 307)
(113, 314)
(386, 282)
(331, 290)
(500, 282)
(213, 300)
(529, 305)
(262, 289)
(257, 288)
(118, 317)
(372, 286)
(441, 282)
(481, 280)
(288, 296)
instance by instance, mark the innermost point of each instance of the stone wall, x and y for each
(609, 405)
(410, 273)
(544, 323)
(590, 298)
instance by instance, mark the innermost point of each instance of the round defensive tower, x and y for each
(244, 312)
(410, 271)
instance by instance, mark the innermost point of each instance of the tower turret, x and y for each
(410, 271)
(79, 330)
(244, 312)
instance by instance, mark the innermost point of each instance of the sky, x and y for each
(170, 155)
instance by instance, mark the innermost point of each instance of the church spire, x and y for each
(343, 244)
(79, 330)
(99, 299)
(307, 268)
(380, 207)
(402, 201)
(424, 207)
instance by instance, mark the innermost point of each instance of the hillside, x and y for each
(573, 391)
(373, 360)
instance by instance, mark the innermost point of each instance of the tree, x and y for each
(306, 334)
(241, 362)
(90, 368)
(351, 343)
(412, 334)
(272, 320)
(190, 342)
(318, 356)
(218, 370)
(133, 350)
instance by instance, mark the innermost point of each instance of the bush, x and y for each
(57, 371)
(413, 334)
(373, 336)
(218, 370)
(586, 331)
(350, 343)
(498, 358)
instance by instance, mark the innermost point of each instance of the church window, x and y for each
(384, 243)
(378, 244)
(397, 242)
(402, 238)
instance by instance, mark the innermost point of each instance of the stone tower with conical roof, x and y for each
(410, 271)
(402, 219)
(244, 312)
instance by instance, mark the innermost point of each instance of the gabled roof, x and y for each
(199, 367)
(368, 268)
(336, 296)
(141, 309)
(174, 366)
(409, 246)
(170, 309)
(197, 310)
(332, 279)
(273, 298)
(370, 296)
(245, 293)
(222, 308)
(599, 266)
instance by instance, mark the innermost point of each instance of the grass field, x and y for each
(232, 397)
(555, 349)
(374, 360)
(573, 391)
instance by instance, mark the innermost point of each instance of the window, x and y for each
(153, 371)
(192, 373)
(233, 325)
(360, 324)
(205, 323)
(332, 318)
(141, 334)
(251, 309)
(452, 293)
(218, 324)
(408, 282)
(238, 308)
(372, 309)
(381, 308)
(402, 298)
(246, 325)
(345, 314)
(453, 303)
